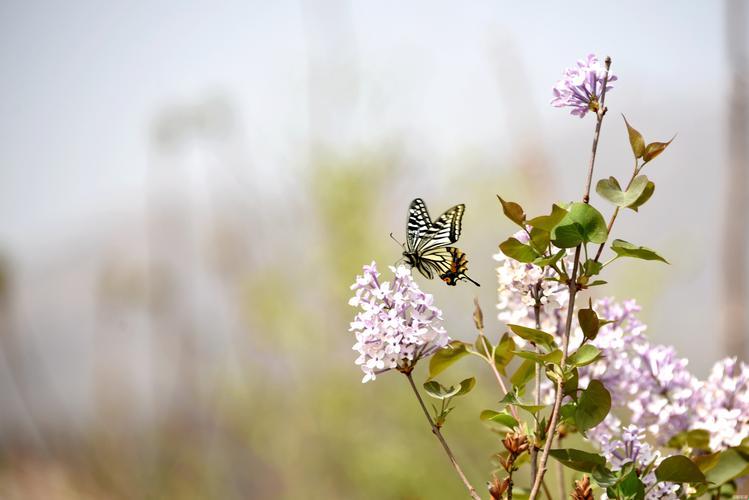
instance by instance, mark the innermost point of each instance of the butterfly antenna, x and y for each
(469, 279)
(398, 242)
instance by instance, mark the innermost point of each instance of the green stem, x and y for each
(436, 431)
(571, 308)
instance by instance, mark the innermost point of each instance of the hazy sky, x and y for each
(83, 81)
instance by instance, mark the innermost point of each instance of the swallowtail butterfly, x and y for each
(427, 243)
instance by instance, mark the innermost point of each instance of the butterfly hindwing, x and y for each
(457, 269)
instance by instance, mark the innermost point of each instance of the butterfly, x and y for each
(427, 243)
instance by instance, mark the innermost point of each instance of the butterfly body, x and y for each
(428, 243)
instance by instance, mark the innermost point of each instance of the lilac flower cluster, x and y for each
(581, 86)
(630, 447)
(397, 324)
(723, 409)
(517, 286)
(654, 384)
(650, 380)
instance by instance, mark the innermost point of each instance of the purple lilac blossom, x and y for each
(629, 446)
(723, 409)
(649, 380)
(581, 86)
(397, 324)
(515, 300)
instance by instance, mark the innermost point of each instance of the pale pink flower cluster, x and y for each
(397, 323)
(723, 408)
(517, 285)
(630, 447)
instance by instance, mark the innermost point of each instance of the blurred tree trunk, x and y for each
(736, 222)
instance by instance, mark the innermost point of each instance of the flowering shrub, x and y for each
(652, 430)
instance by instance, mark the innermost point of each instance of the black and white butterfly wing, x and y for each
(445, 230)
(417, 225)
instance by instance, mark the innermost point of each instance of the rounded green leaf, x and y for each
(499, 417)
(582, 224)
(644, 197)
(521, 252)
(503, 354)
(593, 406)
(466, 386)
(438, 391)
(532, 335)
(443, 358)
(679, 469)
(610, 190)
(585, 355)
(578, 460)
(549, 222)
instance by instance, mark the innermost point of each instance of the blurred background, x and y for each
(189, 188)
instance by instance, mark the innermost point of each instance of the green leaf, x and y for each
(521, 252)
(482, 345)
(554, 356)
(731, 464)
(466, 386)
(524, 373)
(593, 406)
(511, 399)
(592, 267)
(679, 469)
(631, 487)
(625, 249)
(546, 261)
(610, 190)
(540, 239)
(582, 224)
(549, 222)
(578, 460)
(635, 140)
(589, 322)
(503, 354)
(654, 149)
(645, 196)
(513, 211)
(585, 355)
(603, 476)
(532, 335)
(438, 391)
(442, 359)
(569, 387)
(499, 417)
(696, 438)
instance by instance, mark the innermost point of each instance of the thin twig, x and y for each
(436, 432)
(571, 308)
(616, 212)
(537, 314)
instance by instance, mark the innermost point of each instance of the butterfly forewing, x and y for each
(445, 230)
(418, 223)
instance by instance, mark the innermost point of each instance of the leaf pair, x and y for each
(639, 148)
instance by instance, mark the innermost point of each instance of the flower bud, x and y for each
(582, 490)
(515, 443)
(497, 487)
